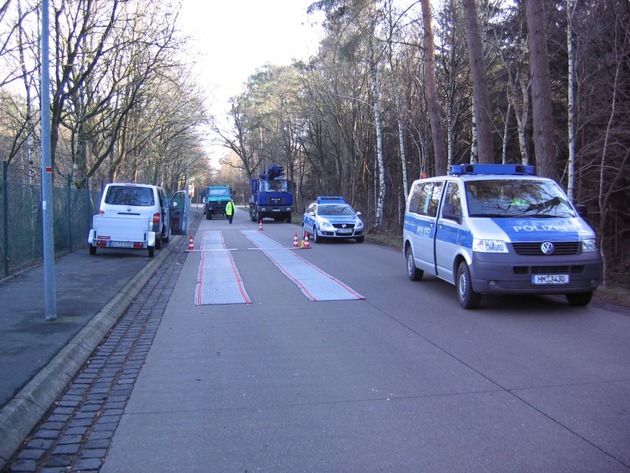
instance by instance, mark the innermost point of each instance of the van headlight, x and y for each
(489, 246)
(589, 245)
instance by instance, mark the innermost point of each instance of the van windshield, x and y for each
(517, 198)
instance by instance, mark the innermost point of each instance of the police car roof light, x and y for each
(505, 169)
(330, 199)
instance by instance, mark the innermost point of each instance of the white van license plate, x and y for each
(542, 279)
(121, 244)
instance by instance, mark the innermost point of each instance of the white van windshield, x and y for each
(516, 198)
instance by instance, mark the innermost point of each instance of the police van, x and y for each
(499, 229)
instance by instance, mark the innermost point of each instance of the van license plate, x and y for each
(121, 244)
(543, 279)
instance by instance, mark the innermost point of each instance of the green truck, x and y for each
(214, 200)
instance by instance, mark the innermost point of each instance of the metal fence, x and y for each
(21, 223)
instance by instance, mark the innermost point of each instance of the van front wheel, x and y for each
(468, 298)
(580, 298)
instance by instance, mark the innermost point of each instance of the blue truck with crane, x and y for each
(271, 196)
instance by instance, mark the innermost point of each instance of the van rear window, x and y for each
(123, 195)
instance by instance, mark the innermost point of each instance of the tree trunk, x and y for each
(541, 90)
(433, 104)
(481, 99)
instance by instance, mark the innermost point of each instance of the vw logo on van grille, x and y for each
(547, 248)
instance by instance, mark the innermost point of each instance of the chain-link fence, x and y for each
(21, 223)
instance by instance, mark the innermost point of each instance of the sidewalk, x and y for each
(40, 357)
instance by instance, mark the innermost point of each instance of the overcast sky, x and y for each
(236, 37)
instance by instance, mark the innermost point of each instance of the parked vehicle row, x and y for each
(487, 229)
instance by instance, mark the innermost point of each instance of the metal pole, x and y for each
(47, 202)
(5, 215)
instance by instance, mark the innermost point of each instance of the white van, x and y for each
(499, 229)
(132, 216)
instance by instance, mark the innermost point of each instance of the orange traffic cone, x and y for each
(191, 243)
(306, 246)
(295, 241)
(260, 225)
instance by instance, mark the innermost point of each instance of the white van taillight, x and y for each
(156, 218)
(101, 211)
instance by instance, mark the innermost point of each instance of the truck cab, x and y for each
(215, 199)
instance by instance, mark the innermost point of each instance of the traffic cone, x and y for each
(306, 246)
(191, 243)
(260, 225)
(295, 241)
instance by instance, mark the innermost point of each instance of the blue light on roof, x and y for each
(505, 169)
(330, 199)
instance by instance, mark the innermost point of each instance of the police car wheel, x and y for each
(413, 273)
(580, 298)
(468, 298)
(316, 237)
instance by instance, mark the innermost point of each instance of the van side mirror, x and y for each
(449, 213)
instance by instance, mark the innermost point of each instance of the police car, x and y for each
(332, 217)
(499, 229)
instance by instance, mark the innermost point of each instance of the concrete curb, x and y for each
(25, 411)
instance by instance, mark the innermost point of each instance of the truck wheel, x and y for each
(413, 273)
(151, 251)
(468, 298)
(92, 250)
(288, 219)
(580, 298)
(208, 216)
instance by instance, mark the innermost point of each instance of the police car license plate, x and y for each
(344, 231)
(121, 244)
(543, 279)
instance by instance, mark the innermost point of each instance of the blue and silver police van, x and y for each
(499, 229)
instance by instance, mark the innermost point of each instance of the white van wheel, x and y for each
(468, 298)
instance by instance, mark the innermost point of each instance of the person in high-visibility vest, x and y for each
(229, 210)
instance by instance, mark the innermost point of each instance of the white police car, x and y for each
(332, 217)
(499, 229)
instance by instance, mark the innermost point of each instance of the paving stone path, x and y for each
(76, 432)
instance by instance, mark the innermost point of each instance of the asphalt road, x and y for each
(404, 380)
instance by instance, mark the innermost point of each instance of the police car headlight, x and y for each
(326, 225)
(489, 246)
(589, 245)
(359, 225)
